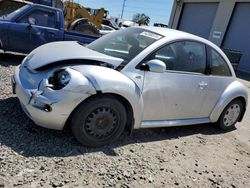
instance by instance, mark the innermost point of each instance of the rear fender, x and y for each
(233, 91)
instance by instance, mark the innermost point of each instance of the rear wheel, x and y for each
(99, 121)
(230, 115)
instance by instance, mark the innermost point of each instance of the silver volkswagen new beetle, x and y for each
(139, 77)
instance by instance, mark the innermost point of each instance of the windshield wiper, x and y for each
(120, 67)
(82, 44)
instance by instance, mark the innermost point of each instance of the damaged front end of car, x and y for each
(49, 97)
(48, 86)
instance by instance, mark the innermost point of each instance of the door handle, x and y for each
(203, 85)
(138, 77)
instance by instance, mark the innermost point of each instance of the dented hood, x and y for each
(59, 51)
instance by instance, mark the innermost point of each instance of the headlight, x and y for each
(59, 79)
(63, 78)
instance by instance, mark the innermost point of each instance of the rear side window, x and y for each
(42, 18)
(218, 66)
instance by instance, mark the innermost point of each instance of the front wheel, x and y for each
(99, 121)
(231, 115)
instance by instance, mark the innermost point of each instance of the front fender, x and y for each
(107, 80)
(233, 91)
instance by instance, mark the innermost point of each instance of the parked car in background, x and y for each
(127, 23)
(110, 23)
(139, 77)
(34, 25)
(106, 29)
(160, 25)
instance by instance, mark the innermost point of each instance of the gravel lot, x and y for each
(192, 156)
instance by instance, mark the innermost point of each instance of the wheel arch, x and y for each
(128, 107)
(234, 91)
(243, 100)
(110, 81)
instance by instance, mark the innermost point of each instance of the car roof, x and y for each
(175, 34)
(23, 1)
(168, 32)
(45, 6)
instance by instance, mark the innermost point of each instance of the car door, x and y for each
(220, 78)
(179, 92)
(24, 37)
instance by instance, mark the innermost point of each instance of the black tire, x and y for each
(231, 115)
(85, 27)
(99, 121)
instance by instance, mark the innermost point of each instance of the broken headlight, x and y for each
(59, 79)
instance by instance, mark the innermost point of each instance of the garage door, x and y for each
(238, 34)
(198, 18)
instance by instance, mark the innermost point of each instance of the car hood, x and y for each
(55, 52)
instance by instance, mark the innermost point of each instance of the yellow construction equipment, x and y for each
(74, 11)
(77, 17)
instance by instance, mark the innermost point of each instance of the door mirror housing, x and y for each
(156, 65)
(31, 21)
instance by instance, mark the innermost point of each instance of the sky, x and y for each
(158, 10)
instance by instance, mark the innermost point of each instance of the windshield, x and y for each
(125, 43)
(13, 14)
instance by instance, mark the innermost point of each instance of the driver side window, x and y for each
(184, 56)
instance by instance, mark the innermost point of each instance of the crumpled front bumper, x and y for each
(47, 107)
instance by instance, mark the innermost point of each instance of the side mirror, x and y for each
(31, 21)
(156, 65)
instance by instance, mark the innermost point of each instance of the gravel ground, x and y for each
(192, 156)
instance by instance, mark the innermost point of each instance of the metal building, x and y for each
(224, 22)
